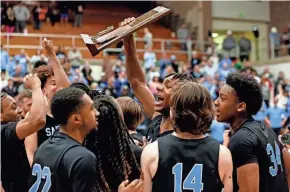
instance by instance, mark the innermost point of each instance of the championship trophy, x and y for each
(106, 38)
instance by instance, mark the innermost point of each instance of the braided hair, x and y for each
(111, 145)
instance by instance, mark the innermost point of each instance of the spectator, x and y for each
(285, 39)
(52, 13)
(38, 57)
(151, 74)
(35, 13)
(122, 55)
(156, 81)
(4, 81)
(209, 69)
(226, 60)
(60, 52)
(169, 70)
(282, 96)
(10, 89)
(275, 40)
(208, 83)
(63, 9)
(77, 77)
(223, 72)
(174, 63)
(194, 60)
(22, 15)
(266, 90)
(229, 45)
(118, 68)
(148, 38)
(4, 59)
(275, 117)
(217, 130)
(18, 66)
(261, 115)
(163, 62)
(10, 21)
(79, 11)
(120, 82)
(211, 47)
(169, 42)
(87, 73)
(245, 48)
(149, 59)
(103, 84)
(183, 34)
(75, 57)
(196, 72)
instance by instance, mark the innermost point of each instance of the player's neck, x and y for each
(237, 122)
(76, 134)
(184, 135)
(166, 124)
(132, 131)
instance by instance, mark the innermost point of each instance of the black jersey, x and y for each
(61, 164)
(187, 165)
(153, 132)
(47, 131)
(253, 142)
(14, 163)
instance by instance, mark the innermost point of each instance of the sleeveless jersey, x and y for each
(187, 165)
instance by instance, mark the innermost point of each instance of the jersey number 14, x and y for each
(193, 180)
(41, 174)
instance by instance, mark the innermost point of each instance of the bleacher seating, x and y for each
(97, 17)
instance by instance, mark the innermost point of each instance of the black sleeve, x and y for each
(9, 136)
(242, 146)
(154, 128)
(82, 169)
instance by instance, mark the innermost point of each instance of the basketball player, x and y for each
(257, 158)
(187, 160)
(157, 110)
(14, 164)
(53, 77)
(25, 101)
(61, 163)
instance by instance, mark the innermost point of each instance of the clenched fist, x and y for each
(48, 47)
(32, 82)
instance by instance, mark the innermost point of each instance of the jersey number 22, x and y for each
(193, 180)
(41, 174)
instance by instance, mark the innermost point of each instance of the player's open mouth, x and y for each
(158, 100)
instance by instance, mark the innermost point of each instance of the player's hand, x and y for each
(134, 186)
(127, 22)
(226, 138)
(48, 47)
(32, 82)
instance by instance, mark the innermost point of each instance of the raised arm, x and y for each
(37, 116)
(61, 78)
(136, 75)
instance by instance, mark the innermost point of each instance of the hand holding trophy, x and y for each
(106, 38)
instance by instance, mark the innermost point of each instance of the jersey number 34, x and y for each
(41, 174)
(276, 159)
(193, 180)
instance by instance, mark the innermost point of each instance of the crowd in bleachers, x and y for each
(210, 70)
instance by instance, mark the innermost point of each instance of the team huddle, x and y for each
(77, 139)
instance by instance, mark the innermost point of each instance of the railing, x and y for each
(175, 43)
(73, 38)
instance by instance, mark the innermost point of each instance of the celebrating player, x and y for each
(187, 159)
(259, 163)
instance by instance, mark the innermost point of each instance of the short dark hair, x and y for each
(3, 95)
(248, 90)
(65, 102)
(192, 109)
(183, 77)
(39, 63)
(87, 89)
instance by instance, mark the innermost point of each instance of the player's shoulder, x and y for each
(150, 152)
(244, 136)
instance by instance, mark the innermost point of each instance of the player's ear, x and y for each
(242, 106)
(76, 118)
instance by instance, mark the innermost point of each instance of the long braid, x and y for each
(116, 161)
